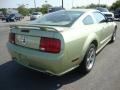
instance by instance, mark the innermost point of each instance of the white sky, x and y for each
(67, 3)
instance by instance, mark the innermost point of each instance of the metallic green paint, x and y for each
(75, 41)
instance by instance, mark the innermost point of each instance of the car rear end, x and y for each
(44, 44)
(39, 48)
(35, 15)
(10, 18)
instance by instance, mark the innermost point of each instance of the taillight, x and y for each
(12, 38)
(51, 45)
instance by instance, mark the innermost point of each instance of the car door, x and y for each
(103, 25)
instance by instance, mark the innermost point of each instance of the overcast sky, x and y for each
(67, 3)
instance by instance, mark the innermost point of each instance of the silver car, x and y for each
(35, 15)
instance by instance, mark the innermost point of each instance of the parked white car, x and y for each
(35, 15)
(106, 12)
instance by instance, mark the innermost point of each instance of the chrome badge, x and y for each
(23, 40)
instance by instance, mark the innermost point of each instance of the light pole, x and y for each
(62, 3)
(34, 3)
(99, 3)
(72, 3)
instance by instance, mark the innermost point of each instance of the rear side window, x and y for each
(88, 20)
(99, 17)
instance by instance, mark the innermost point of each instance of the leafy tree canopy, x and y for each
(22, 10)
(115, 5)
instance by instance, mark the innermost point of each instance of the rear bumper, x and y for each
(33, 18)
(117, 15)
(9, 19)
(44, 62)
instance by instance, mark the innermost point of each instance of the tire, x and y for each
(7, 20)
(89, 59)
(113, 38)
(14, 20)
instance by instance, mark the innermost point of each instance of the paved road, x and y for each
(104, 76)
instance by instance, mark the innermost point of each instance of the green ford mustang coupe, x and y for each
(61, 41)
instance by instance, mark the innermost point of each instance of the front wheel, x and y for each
(89, 59)
(14, 20)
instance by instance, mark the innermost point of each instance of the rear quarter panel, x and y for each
(77, 41)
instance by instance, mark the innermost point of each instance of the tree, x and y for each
(4, 11)
(45, 8)
(96, 5)
(22, 10)
(115, 5)
(31, 10)
(93, 6)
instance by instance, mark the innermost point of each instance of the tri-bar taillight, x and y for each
(51, 45)
(12, 38)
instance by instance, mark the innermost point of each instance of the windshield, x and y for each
(102, 9)
(11, 15)
(59, 18)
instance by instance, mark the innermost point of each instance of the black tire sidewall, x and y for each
(114, 35)
(84, 65)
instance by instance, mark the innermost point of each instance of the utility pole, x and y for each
(62, 3)
(72, 4)
(34, 3)
(99, 3)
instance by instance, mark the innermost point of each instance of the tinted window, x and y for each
(88, 20)
(99, 17)
(59, 18)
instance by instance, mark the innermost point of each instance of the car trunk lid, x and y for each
(30, 36)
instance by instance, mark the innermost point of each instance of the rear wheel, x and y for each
(89, 59)
(7, 20)
(113, 38)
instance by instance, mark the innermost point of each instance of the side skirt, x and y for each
(102, 46)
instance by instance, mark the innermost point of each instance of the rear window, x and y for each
(59, 18)
(88, 20)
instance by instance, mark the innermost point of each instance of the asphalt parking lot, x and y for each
(104, 76)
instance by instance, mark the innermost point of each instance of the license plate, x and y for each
(27, 41)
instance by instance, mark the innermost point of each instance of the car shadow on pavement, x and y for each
(16, 77)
